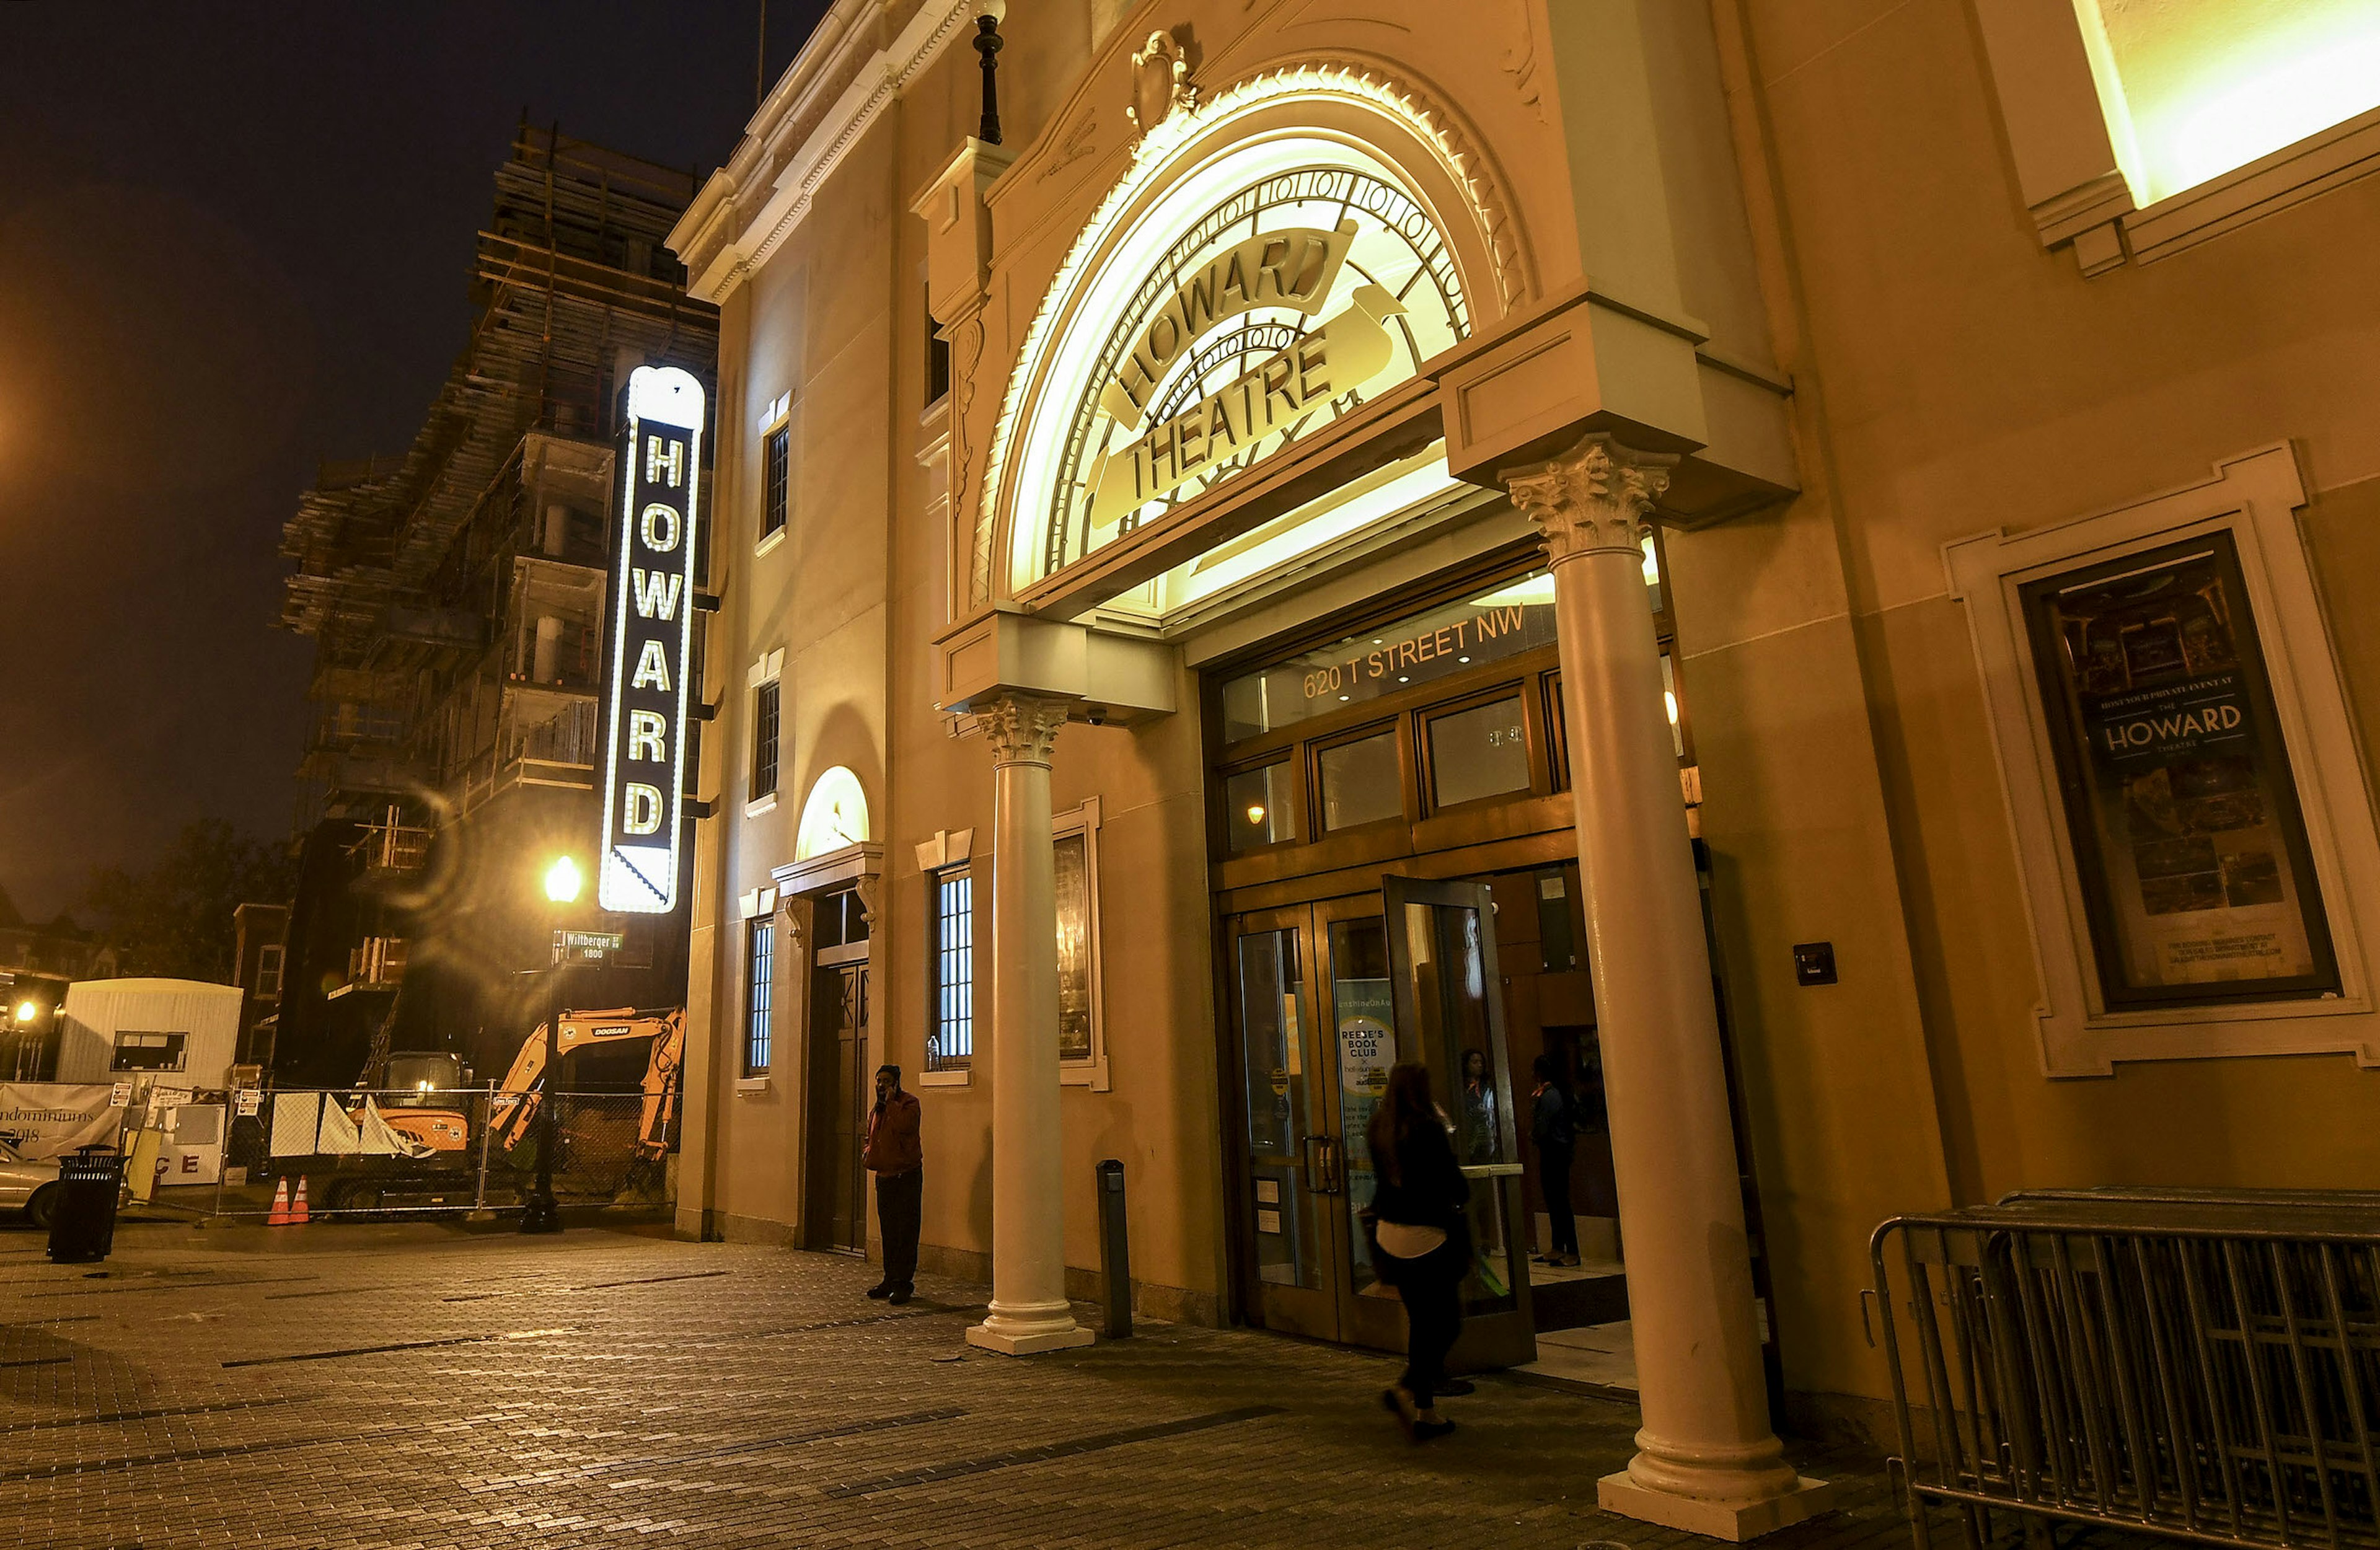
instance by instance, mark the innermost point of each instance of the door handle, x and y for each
(1321, 1160)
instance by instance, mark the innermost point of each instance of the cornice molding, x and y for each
(827, 99)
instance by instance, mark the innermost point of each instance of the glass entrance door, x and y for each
(1314, 1038)
(1324, 999)
(1450, 1016)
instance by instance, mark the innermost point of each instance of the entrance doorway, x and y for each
(1325, 998)
(840, 1084)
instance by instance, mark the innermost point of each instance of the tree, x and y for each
(174, 919)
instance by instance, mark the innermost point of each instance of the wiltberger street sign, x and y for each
(653, 638)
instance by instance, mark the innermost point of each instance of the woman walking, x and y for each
(1424, 1240)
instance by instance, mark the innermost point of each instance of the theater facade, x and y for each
(1755, 552)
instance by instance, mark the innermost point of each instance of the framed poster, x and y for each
(1082, 1018)
(2189, 843)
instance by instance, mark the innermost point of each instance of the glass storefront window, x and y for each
(1361, 781)
(1256, 808)
(1480, 752)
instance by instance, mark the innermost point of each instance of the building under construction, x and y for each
(455, 598)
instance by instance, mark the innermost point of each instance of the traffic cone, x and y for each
(279, 1215)
(297, 1208)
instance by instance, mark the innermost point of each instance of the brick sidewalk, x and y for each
(344, 1385)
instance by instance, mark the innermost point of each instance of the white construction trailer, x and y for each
(174, 1033)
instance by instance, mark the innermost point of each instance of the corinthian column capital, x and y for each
(1598, 495)
(1022, 729)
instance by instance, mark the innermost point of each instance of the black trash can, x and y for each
(82, 1228)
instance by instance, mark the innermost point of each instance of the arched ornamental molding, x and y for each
(1385, 190)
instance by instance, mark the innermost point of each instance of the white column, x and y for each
(1707, 1461)
(1029, 1241)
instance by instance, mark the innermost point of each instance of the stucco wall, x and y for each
(1955, 377)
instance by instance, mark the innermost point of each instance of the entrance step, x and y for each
(1600, 1357)
(1569, 1297)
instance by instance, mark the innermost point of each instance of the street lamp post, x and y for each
(543, 1213)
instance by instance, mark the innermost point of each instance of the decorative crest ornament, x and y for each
(1161, 82)
(1022, 729)
(1598, 495)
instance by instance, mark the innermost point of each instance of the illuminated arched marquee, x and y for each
(1264, 270)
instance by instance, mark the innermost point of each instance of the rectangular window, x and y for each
(777, 454)
(937, 362)
(2197, 879)
(759, 992)
(1478, 753)
(268, 973)
(1256, 808)
(148, 1052)
(950, 960)
(764, 740)
(1361, 781)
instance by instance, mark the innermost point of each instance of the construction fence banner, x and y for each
(51, 1119)
(321, 1124)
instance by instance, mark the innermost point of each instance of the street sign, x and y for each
(587, 947)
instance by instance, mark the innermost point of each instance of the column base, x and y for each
(1730, 1521)
(1029, 1342)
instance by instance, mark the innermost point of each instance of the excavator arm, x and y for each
(516, 1102)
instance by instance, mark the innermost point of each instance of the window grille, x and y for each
(764, 740)
(759, 991)
(950, 995)
(779, 452)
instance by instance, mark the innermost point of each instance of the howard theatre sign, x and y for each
(652, 639)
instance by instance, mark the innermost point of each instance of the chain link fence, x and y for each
(363, 1154)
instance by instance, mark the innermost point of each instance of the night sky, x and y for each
(234, 242)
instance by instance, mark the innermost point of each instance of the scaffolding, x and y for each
(406, 569)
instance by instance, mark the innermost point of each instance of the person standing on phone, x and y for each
(896, 1155)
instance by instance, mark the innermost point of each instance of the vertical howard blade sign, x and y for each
(652, 642)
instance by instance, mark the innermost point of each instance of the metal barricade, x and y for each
(2197, 1365)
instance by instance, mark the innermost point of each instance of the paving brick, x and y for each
(380, 1388)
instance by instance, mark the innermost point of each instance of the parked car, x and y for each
(29, 1186)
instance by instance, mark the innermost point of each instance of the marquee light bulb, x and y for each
(562, 880)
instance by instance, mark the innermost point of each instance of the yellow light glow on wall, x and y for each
(2194, 88)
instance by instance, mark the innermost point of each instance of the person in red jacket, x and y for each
(896, 1157)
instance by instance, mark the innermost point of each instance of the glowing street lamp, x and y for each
(562, 881)
(27, 1011)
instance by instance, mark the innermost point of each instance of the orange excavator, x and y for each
(515, 1104)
